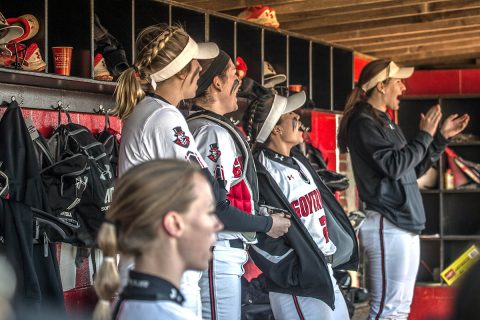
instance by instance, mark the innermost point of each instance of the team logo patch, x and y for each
(215, 153)
(237, 168)
(181, 139)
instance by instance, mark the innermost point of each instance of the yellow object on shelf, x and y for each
(461, 265)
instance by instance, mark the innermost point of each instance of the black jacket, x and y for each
(18, 158)
(386, 166)
(293, 263)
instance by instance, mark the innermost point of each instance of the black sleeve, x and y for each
(433, 154)
(233, 218)
(380, 151)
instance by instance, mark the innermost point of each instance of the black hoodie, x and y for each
(386, 166)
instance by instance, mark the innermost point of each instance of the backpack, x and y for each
(79, 183)
(110, 138)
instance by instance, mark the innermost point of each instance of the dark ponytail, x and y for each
(356, 97)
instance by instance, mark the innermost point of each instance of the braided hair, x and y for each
(156, 46)
(255, 116)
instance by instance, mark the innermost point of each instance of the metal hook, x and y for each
(100, 110)
(59, 106)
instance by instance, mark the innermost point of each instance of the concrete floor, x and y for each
(361, 311)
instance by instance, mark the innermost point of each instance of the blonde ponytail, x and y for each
(128, 93)
(107, 282)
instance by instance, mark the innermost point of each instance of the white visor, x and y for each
(391, 71)
(280, 106)
(272, 81)
(192, 50)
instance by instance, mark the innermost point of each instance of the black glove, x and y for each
(111, 49)
(333, 180)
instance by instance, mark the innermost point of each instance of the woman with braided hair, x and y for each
(167, 232)
(298, 266)
(164, 73)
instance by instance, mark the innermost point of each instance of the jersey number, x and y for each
(323, 223)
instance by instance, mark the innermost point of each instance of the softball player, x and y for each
(178, 223)
(386, 167)
(229, 159)
(166, 67)
(298, 266)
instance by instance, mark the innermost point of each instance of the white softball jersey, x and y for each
(299, 188)
(218, 149)
(157, 130)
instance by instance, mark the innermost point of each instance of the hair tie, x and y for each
(109, 259)
(137, 71)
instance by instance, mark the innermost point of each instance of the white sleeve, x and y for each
(217, 148)
(169, 137)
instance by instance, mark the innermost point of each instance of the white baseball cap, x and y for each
(280, 106)
(193, 50)
(391, 71)
(270, 76)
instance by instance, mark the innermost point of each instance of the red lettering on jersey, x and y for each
(320, 202)
(308, 204)
(295, 205)
(313, 201)
(304, 206)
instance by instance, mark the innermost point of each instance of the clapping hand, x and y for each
(429, 121)
(454, 124)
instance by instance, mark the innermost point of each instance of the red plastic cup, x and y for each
(62, 60)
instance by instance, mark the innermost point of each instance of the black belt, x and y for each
(237, 243)
(329, 259)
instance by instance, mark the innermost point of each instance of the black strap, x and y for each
(107, 121)
(156, 96)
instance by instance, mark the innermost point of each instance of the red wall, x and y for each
(45, 120)
(324, 136)
(441, 82)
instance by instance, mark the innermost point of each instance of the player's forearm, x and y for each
(235, 219)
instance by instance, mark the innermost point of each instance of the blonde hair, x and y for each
(156, 46)
(142, 197)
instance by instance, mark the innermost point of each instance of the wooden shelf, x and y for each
(464, 144)
(53, 81)
(466, 191)
(430, 236)
(452, 220)
(429, 191)
(462, 237)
